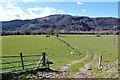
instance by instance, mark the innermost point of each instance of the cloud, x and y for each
(29, 0)
(13, 11)
(84, 10)
(79, 3)
(43, 12)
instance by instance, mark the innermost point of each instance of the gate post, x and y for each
(21, 57)
(44, 59)
(100, 61)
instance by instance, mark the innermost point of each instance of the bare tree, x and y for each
(26, 31)
(40, 31)
(56, 32)
(50, 31)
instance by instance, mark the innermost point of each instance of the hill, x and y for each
(62, 22)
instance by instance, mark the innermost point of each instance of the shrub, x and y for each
(98, 34)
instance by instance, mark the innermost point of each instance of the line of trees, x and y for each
(49, 31)
(23, 32)
(52, 31)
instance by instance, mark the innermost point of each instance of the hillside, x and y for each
(65, 22)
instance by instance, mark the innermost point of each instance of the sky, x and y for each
(30, 10)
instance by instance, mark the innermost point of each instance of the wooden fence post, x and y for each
(44, 59)
(100, 61)
(21, 57)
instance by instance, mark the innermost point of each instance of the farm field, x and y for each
(99, 45)
(56, 51)
(89, 47)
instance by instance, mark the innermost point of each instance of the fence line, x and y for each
(22, 62)
(28, 55)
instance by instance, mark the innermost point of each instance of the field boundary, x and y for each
(68, 45)
(41, 62)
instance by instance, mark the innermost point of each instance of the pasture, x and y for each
(60, 53)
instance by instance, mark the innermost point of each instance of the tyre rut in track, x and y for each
(65, 67)
(85, 71)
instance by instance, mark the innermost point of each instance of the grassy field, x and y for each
(59, 53)
(100, 45)
(56, 50)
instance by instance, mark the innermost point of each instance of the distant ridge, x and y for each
(63, 21)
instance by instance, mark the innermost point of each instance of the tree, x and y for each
(17, 33)
(3, 33)
(56, 32)
(26, 31)
(98, 34)
(50, 31)
(40, 31)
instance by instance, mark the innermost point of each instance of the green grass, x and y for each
(59, 53)
(100, 45)
(55, 49)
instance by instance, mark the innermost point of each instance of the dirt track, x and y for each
(65, 67)
(85, 71)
